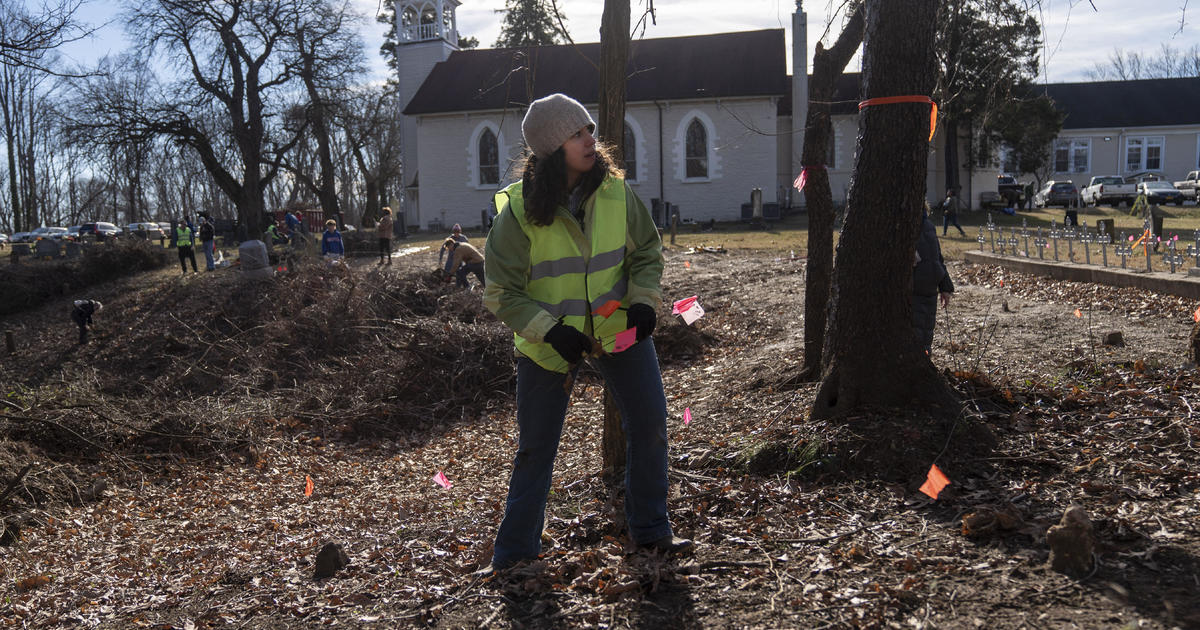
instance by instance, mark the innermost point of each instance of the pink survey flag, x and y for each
(625, 339)
(687, 416)
(689, 309)
(441, 480)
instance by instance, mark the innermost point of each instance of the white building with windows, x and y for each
(710, 117)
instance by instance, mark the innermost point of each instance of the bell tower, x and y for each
(426, 34)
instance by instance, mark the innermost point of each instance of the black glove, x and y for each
(642, 317)
(571, 344)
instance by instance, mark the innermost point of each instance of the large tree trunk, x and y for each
(614, 53)
(828, 65)
(872, 356)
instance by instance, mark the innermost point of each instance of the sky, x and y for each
(1076, 35)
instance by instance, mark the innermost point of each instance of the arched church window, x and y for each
(629, 144)
(489, 158)
(696, 150)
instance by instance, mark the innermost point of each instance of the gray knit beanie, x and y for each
(550, 121)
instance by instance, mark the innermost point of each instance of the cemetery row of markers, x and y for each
(1147, 243)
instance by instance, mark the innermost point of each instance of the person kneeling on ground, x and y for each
(464, 259)
(81, 314)
(331, 241)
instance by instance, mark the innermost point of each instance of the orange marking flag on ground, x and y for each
(934, 482)
(1078, 313)
(1196, 315)
(308, 486)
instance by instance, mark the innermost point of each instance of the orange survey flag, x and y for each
(308, 486)
(1078, 313)
(1196, 315)
(934, 482)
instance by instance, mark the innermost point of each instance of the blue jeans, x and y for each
(209, 263)
(636, 384)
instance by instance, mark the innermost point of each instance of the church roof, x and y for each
(751, 63)
(1142, 103)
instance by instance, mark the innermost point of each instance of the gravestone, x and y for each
(256, 264)
(1104, 238)
(47, 248)
(1055, 234)
(1039, 243)
(1070, 233)
(73, 249)
(1107, 226)
(1086, 239)
(1172, 257)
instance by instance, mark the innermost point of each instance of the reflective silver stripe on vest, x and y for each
(559, 267)
(604, 260)
(578, 308)
(616, 293)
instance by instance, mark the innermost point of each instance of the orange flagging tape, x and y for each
(308, 486)
(888, 100)
(934, 482)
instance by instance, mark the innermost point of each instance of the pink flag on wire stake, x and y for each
(689, 309)
(625, 339)
(441, 480)
(687, 416)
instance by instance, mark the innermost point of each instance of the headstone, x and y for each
(1114, 338)
(73, 250)
(329, 560)
(47, 248)
(1107, 226)
(1070, 233)
(1172, 257)
(256, 264)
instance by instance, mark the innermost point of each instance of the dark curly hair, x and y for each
(545, 181)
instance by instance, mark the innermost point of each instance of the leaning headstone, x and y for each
(255, 262)
(1114, 338)
(47, 248)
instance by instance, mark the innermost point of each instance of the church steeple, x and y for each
(426, 20)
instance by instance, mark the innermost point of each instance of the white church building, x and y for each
(708, 119)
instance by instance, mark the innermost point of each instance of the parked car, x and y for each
(52, 233)
(19, 237)
(145, 230)
(165, 226)
(72, 233)
(1108, 189)
(1057, 194)
(99, 230)
(1188, 186)
(1010, 189)
(3, 239)
(1160, 192)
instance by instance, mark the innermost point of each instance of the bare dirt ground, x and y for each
(170, 459)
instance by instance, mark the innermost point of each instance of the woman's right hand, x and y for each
(570, 344)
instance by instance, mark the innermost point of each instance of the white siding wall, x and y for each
(743, 156)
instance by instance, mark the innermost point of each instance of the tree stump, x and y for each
(1072, 544)
(1114, 338)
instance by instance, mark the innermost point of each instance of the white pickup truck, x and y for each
(1108, 189)
(1189, 185)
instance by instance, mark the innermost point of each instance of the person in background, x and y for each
(331, 241)
(465, 259)
(931, 283)
(81, 313)
(185, 237)
(458, 236)
(295, 229)
(950, 209)
(208, 241)
(573, 260)
(385, 236)
(275, 235)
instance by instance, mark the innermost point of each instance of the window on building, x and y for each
(489, 158)
(1072, 155)
(629, 144)
(697, 150)
(1143, 153)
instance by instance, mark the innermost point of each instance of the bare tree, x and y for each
(1170, 62)
(234, 55)
(828, 65)
(26, 38)
(372, 134)
(872, 358)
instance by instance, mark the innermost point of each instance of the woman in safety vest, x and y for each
(574, 260)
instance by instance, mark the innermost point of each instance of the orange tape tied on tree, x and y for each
(888, 100)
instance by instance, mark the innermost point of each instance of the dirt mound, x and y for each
(30, 285)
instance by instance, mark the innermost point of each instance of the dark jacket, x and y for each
(83, 311)
(206, 231)
(929, 279)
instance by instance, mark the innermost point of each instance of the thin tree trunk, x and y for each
(872, 357)
(828, 65)
(614, 54)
